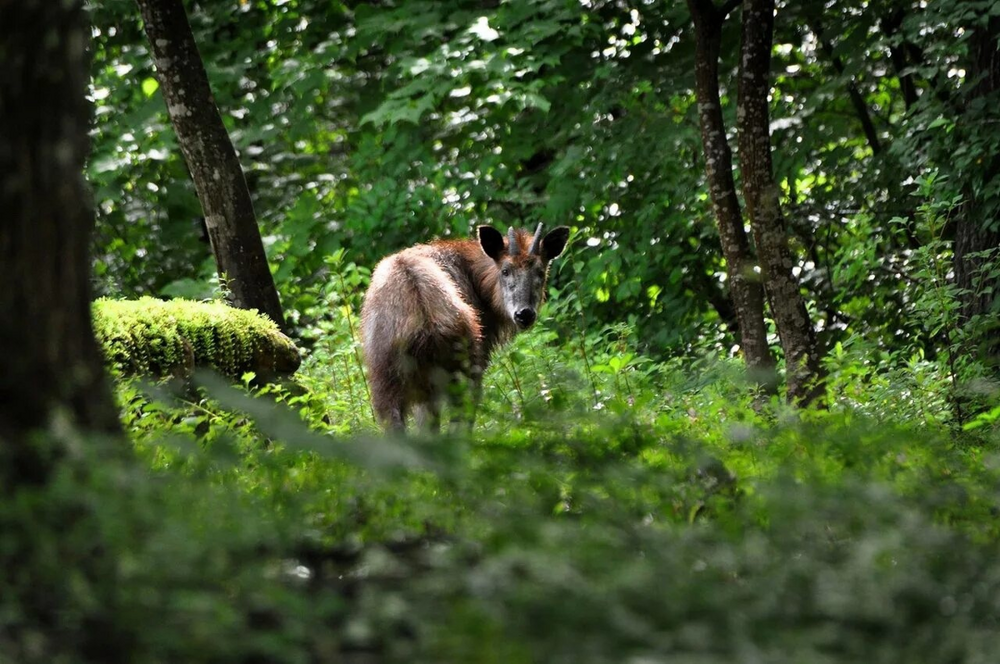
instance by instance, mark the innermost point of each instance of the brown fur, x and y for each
(432, 316)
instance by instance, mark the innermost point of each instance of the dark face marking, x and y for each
(522, 281)
(523, 268)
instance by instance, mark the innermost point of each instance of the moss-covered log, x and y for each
(171, 338)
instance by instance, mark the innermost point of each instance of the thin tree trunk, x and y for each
(889, 24)
(52, 365)
(857, 99)
(211, 158)
(889, 168)
(744, 283)
(761, 194)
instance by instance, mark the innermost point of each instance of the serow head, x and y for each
(523, 263)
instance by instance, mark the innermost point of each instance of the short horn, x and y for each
(512, 247)
(537, 241)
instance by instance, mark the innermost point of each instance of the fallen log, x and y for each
(161, 338)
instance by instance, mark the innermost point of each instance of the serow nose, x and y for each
(525, 317)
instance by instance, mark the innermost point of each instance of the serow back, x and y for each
(434, 313)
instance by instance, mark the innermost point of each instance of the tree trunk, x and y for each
(52, 366)
(761, 195)
(977, 227)
(744, 282)
(211, 158)
(890, 24)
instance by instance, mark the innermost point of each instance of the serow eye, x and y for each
(505, 272)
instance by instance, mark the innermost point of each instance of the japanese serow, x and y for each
(435, 312)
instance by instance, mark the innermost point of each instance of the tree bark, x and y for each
(761, 195)
(52, 366)
(211, 158)
(977, 227)
(745, 286)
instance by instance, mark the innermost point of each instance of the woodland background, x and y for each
(757, 420)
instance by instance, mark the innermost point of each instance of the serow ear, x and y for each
(491, 240)
(554, 242)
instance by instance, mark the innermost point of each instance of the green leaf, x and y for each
(535, 100)
(150, 86)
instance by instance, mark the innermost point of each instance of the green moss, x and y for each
(162, 338)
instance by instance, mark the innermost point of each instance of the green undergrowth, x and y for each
(606, 508)
(150, 337)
